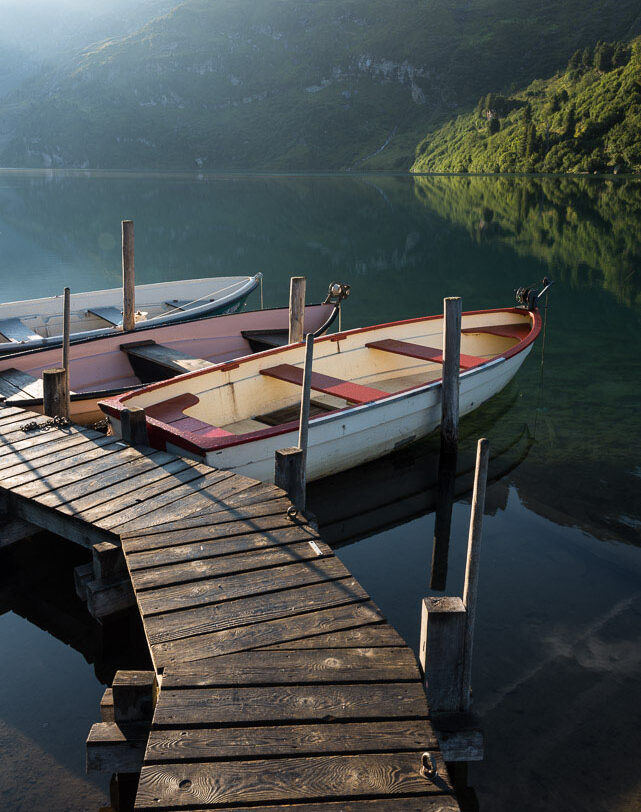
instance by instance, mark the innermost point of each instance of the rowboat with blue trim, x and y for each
(37, 323)
(374, 390)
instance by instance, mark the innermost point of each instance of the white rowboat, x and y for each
(37, 323)
(374, 390)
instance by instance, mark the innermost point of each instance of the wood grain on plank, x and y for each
(92, 463)
(234, 509)
(260, 582)
(135, 484)
(29, 457)
(206, 744)
(99, 483)
(157, 542)
(378, 635)
(222, 545)
(256, 559)
(419, 803)
(262, 634)
(290, 703)
(243, 611)
(286, 779)
(298, 667)
(160, 498)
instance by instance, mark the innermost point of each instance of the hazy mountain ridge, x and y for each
(289, 84)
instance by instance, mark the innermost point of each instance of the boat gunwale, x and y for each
(199, 313)
(164, 433)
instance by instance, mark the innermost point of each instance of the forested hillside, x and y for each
(585, 119)
(291, 84)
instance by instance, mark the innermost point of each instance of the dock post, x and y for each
(66, 338)
(303, 425)
(297, 285)
(128, 277)
(54, 395)
(441, 652)
(290, 471)
(470, 591)
(451, 363)
(133, 426)
(289, 474)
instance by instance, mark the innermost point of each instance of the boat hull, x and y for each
(360, 434)
(40, 312)
(100, 369)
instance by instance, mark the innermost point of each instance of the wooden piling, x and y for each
(128, 277)
(451, 363)
(289, 474)
(297, 287)
(55, 402)
(470, 590)
(66, 339)
(133, 426)
(303, 427)
(441, 652)
(291, 463)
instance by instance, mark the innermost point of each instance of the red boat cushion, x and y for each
(172, 412)
(424, 353)
(353, 392)
(517, 330)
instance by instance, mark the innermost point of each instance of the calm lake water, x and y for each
(557, 651)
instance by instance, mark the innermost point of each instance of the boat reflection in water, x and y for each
(403, 486)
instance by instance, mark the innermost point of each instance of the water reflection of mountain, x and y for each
(581, 227)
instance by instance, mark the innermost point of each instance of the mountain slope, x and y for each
(585, 119)
(291, 83)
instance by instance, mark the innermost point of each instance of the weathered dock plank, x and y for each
(281, 684)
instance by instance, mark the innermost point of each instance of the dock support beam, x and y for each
(128, 277)
(117, 743)
(55, 396)
(297, 287)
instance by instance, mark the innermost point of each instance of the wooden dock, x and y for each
(280, 685)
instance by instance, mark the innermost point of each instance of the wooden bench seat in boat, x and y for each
(109, 314)
(518, 330)
(172, 412)
(174, 361)
(353, 392)
(16, 332)
(185, 304)
(422, 352)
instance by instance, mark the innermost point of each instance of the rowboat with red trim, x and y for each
(102, 367)
(374, 389)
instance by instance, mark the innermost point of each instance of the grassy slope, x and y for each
(287, 83)
(607, 111)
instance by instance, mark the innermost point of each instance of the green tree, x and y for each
(586, 58)
(570, 122)
(575, 61)
(494, 125)
(603, 54)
